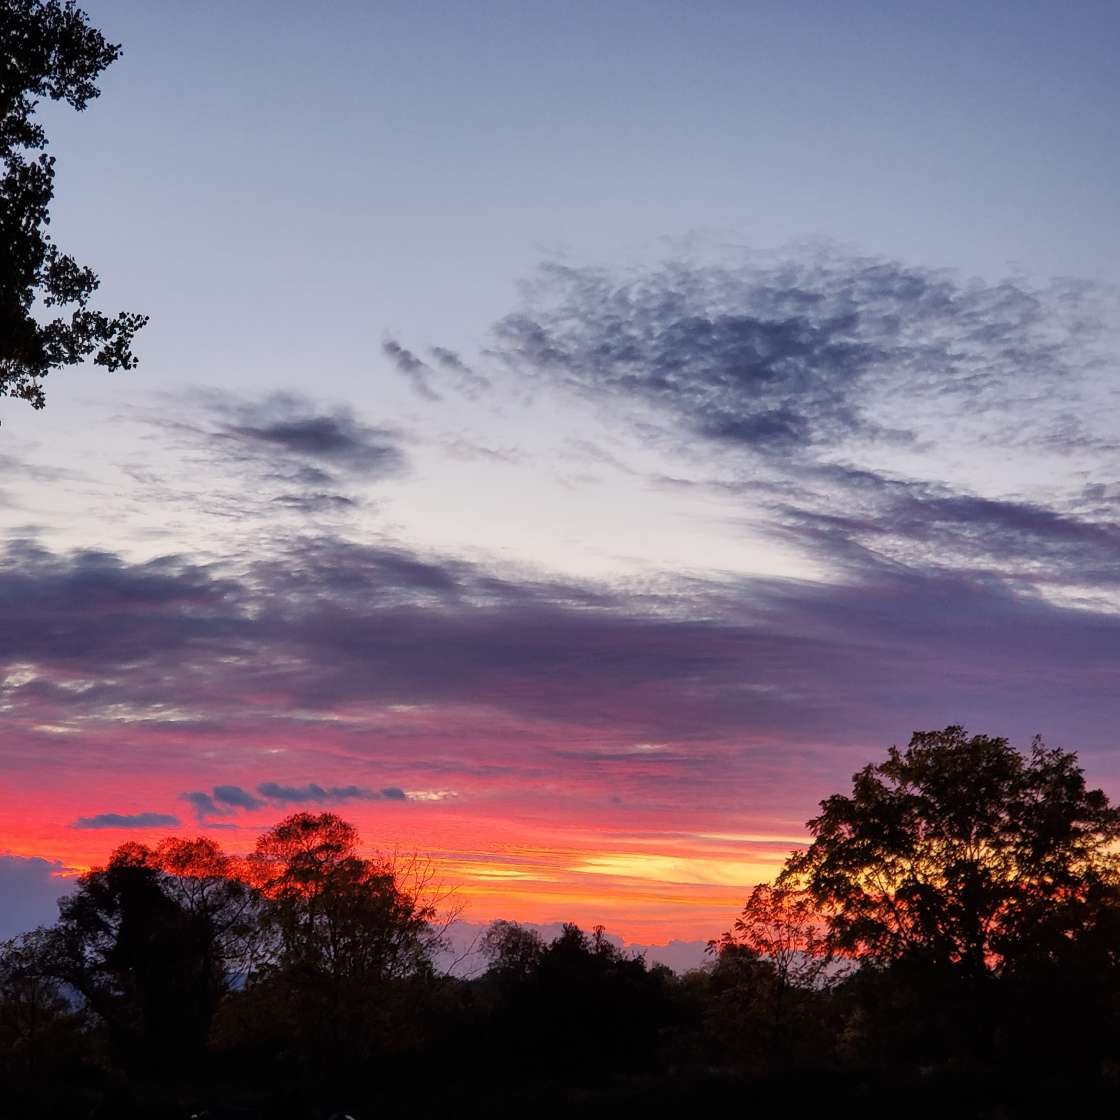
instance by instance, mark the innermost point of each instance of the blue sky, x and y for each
(607, 425)
(297, 179)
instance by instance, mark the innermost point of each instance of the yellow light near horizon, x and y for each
(680, 869)
(754, 838)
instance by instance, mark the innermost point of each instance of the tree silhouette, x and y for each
(47, 49)
(783, 927)
(125, 946)
(337, 915)
(33, 1010)
(771, 963)
(298, 981)
(348, 958)
(960, 873)
(578, 1007)
(513, 951)
(959, 852)
(151, 942)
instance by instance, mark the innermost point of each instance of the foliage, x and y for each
(768, 969)
(349, 949)
(605, 1009)
(513, 951)
(34, 1014)
(48, 50)
(151, 943)
(337, 916)
(783, 927)
(960, 853)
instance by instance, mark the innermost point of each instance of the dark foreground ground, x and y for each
(714, 1094)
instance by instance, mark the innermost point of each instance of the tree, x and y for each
(47, 49)
(152, 942)
(514, 952)
(782, 926)
(338, 915)
(223, 909)
(578, 1007)
(350, 951)
(770, 965)
(46, 1052)
(32, 1005)
(960, 853)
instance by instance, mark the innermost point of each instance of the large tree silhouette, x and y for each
(961, 853)
(152, 941)
(47, 49)
(349, 948)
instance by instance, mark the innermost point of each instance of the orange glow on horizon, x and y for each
(649, 887)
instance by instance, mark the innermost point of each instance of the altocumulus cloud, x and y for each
(806, 385)
(795, 352)
(128, 820)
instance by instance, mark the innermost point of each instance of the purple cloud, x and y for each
(128, 820)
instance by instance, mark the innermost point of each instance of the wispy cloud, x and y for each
(302, 456)
(329, 795)
(756, 657)
(418, 372)
(812, 400)
(290, 434)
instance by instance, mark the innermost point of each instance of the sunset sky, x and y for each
(570, 439)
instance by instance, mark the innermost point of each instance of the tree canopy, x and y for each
(48, 49)
(961, 852)
(152, 941)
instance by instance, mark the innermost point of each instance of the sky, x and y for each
(569, 440)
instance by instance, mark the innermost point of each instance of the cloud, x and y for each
(128, 820)
(205, 806)
(312, 792)
(813, 398)
(29, 892)
(222, 801)
(890, 642)
(798, 352)
(862, 518)
(228, 800)
(300, 456)
(823, 378)
(471, 383)
(415, 369)
(236, 796)
(316, 502)
(297, 439)
(449, 359)
(467, 381)
(51, 605)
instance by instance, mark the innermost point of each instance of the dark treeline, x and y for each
(948, 943)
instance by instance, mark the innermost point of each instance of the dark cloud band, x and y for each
(128, 820)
